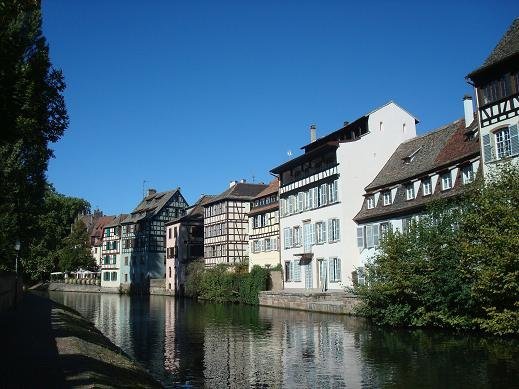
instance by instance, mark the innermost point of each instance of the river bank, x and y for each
(46, 344)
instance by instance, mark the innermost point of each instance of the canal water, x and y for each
(184, 343)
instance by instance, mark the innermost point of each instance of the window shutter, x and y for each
(316, 196)
(338, 272)
(369, 236)
(487, 149)
(338, 232)
(312, 234)
(297, 271)
(330, 230)
(285, 237)
(331, 274)
(360, 237)
(376, 235)
(323, 227)
(514, 140)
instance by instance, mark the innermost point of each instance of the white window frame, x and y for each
(427, 186)
(386, 196)
(334, 232)
(370, 201)
(320, 232)
(409, 191)
(446, 179)
(467, 174)
(503, 143)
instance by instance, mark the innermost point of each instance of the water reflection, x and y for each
(216, 345)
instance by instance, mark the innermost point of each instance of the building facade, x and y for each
(434, 166)
(143, 246)
(321, 191)
(496, 84)
(226, 223)
(96, 237)
(264, 228)
(184, 244)
(111, 253)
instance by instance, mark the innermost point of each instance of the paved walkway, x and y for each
(47, 345)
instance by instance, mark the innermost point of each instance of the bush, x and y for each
(457, 267)
(225, 284)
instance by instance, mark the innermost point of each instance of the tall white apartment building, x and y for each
(321, 191)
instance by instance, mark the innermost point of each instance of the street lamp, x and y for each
(17, 248)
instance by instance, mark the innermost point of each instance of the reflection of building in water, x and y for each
(114, 318)
(183, 342)
(242, 356)
(317, 352)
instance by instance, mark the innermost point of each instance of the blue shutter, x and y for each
(487, 149)
(331, 273)
(514, 140)
(360, 237)
(338, 272)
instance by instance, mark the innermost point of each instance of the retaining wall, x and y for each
(338, 303)
(62, 287)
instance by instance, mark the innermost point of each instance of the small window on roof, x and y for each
(408, 159)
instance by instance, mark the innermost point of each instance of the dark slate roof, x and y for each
(196, 211)
(151, 205)
(507, 47)
(437, 150)
(239, 191)
(428, 152)
(116, 221)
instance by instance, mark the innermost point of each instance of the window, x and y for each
(409, 191)
(406, 224)
(335, 269)
(296, 271)
(287, 237)
(320, 232)
(446, 181)
(427, 187)
(126, 261)
(372, 236)
(288, 271)
(282, 207)
(296, 236)
(332, 192)
(387, 197)
(114, 276)
(333, 230)
(301, 201)
(360, 237)
(495, 90)
(268, 246)
(467, 174)
(324, 194)
(126, 278)
(503, 144)
(370, 200)
(384, 228)
(310, 199)
(315, 197)
(169, 268)
(106, 276)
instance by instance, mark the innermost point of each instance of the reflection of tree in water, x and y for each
(405, 358)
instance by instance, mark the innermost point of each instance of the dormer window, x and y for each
(386, 196)
(467, 174)
(427, 187)
(409, 191)
(408, 159)
(446, 181)
(370, 200)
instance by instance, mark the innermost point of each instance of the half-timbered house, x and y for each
(496, 84)
(111, 253)
(437, 165)
(264, 228)
(226, 223)
(184, 244)
(143, 237)
(321, 191)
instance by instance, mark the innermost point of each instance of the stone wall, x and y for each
(276, 280)
(158, 287)
(62, 287)
(11, 291)
(329, 302)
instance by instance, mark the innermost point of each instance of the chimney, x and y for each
(151, 192)
(232, 183)
(313, 133)
(469, 110)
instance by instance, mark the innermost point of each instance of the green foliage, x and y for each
(457, 267)
(32, 114)
(225, 284)
(75, 252)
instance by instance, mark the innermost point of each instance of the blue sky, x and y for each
(197, 93)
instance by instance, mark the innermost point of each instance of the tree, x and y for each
(57, 214)
(457, 267)
(75, 253)
(32, 114)
(490, 249)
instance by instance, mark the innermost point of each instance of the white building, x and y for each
(496, 85)
(321, 191)
(433, 166)
(264, 228)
